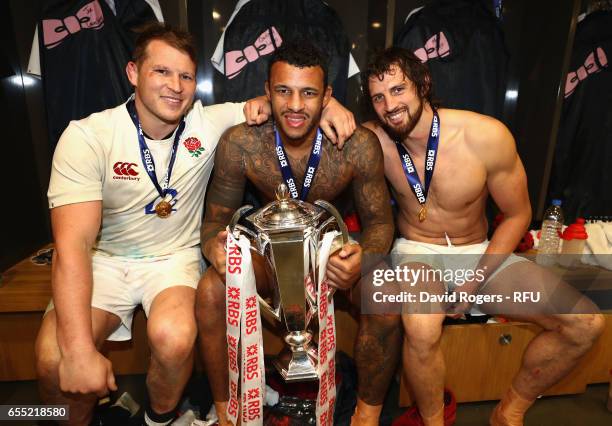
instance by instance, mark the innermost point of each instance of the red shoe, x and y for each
(412, 417)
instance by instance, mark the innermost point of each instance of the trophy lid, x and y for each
(285, 213)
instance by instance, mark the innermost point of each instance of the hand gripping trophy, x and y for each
(293, 240)
(288, 234)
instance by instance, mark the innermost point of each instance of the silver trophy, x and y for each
(285, 238)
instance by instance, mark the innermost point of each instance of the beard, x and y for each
(399, 133)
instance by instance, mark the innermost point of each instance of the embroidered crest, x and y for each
(194, 146)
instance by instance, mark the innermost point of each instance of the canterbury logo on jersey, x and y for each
(125, 171)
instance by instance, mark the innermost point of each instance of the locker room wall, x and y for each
(539, 37)
(26, 152)
(24, 223)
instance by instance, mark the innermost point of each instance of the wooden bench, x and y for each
(25, 291)
(473, 374)
(480, 375)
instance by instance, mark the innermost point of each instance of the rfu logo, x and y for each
(125, 171)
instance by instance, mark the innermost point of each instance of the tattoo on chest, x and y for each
(261, 165)
(249, 153)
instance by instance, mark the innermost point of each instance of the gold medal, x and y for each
(422, 213)
(163, 209)
(414, 182)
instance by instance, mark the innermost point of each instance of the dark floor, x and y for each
(585, 409)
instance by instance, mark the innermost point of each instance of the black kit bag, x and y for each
(583, 154)
(261, 26)
(462, 43)
(84, 49)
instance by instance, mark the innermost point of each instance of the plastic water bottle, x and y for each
(548, 249)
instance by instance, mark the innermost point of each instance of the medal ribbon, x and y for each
(313, 164)
(412, 176)
(243, 331)
(326, 397)
(147, 157)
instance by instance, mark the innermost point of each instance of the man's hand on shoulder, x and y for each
(257, 110)
(86, 372)
(337, 122)
(344, 266)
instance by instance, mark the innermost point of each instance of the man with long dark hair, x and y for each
(442, 165)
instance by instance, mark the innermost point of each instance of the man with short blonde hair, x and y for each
(126, 197)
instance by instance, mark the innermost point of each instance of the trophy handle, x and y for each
(238, 214)
(276, 313)
(234, 228)
(332, 210)
(343, 230)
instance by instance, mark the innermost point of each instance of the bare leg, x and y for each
(423, 364)
(171, 329)
(549, 357)
(47, 364)
(210, 313)
(377, 350)
(553, 353)
(423, 361)
(379, 340)
(571, 324)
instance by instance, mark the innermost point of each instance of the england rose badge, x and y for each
(194, 146)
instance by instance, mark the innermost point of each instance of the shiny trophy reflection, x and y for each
(285, 237)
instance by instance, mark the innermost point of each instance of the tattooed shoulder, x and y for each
(229, 155)
(363, 150)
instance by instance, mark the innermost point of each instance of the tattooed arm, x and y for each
(224, 196)
(371, 193)
(372, 199)
(378, 343)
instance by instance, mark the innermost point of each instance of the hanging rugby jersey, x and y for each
(259, 27)
(583, 154)
(84, 46)
(462, 43)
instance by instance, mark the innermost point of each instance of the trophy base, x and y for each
(297, 366)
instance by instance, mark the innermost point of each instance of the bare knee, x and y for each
(583, 330)
(589, 327)
(422, 343)
(422, 349)
(47, 363)
(47, 353)
(378, 334)
(381, 325)
(172, 340)
(210, 301)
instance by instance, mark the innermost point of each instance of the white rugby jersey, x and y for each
(98, 158)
